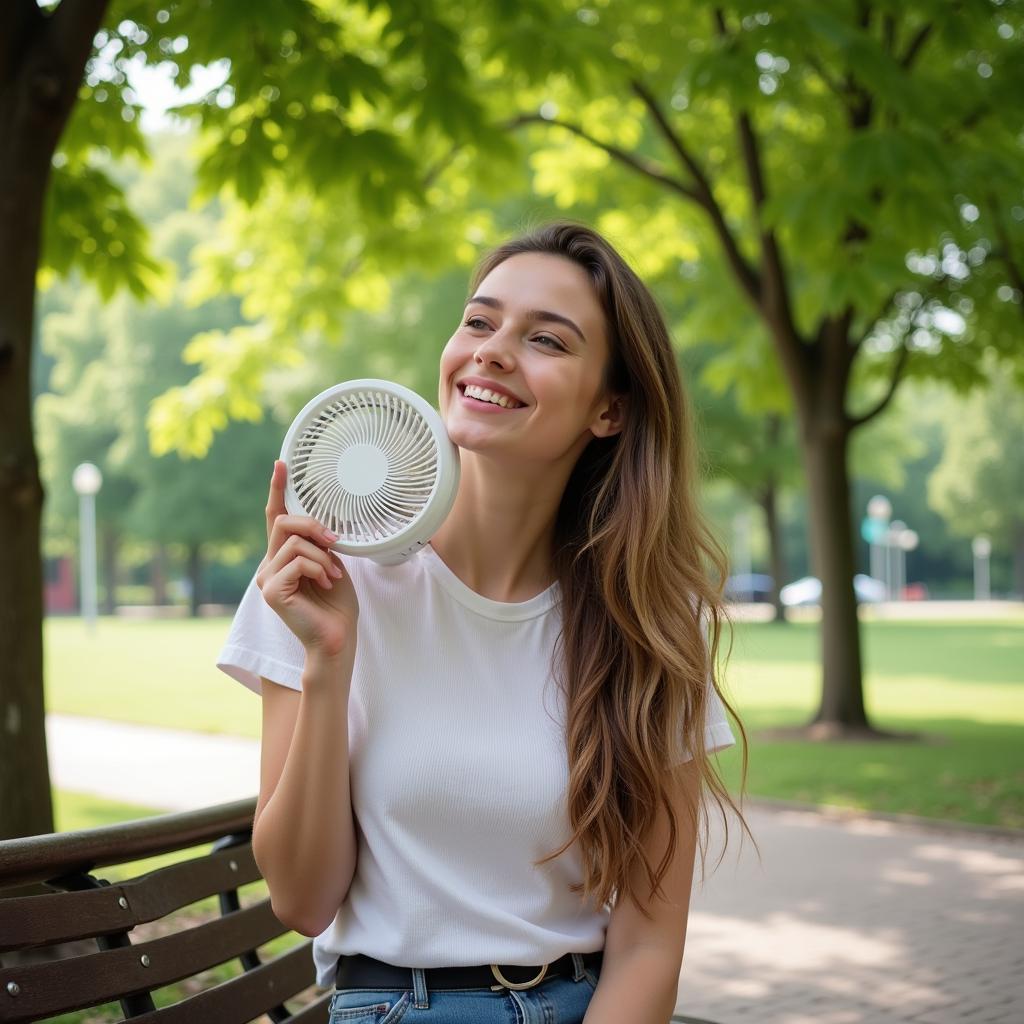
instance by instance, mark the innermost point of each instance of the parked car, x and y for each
(749, 586)
(807, 590)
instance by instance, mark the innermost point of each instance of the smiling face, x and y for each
(536, 329)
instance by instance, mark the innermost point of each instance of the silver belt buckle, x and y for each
(511, 984)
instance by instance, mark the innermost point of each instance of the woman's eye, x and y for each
(474, 320)
(555, 341)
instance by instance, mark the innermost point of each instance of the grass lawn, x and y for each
(156, 672)
(73, 811)
(960, 685)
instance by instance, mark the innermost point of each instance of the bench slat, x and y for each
(82, 981)
(246, 997)
(27, 921)
(36, 858)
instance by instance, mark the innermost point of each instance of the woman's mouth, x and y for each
(482, 405)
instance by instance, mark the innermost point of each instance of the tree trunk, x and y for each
(768, 500)
(25, 807)
(110, 538)
(41, 64)
(832, 556)
(195, 577)
(158, 574)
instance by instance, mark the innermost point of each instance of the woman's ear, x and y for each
(612, 417)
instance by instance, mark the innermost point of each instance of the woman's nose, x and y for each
(496, 346)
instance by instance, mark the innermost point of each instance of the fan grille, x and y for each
(365, 466)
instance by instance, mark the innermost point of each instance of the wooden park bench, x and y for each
(66, 934)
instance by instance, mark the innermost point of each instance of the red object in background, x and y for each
(59, 585)
(915, 592)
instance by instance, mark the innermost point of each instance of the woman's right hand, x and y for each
(304, 583)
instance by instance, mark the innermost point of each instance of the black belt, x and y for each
(359, 971)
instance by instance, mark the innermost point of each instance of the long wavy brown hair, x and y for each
(640, 574)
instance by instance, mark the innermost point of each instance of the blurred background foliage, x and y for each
(100, 366)
(312, 213)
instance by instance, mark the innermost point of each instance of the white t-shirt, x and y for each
(458, 770)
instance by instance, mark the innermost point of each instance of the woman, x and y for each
(482, 796)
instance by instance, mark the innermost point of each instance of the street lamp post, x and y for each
(896, 530)
(982, 548)
(874, 529)
(87, 480)
(908, 541)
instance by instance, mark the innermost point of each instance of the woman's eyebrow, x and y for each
(531, 314)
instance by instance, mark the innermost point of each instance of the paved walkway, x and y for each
(845, 919)
(166, 769)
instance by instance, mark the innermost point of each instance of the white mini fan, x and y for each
(373, 462)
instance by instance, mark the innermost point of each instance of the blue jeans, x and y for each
(557, 1000)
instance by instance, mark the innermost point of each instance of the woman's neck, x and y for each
(498, 538)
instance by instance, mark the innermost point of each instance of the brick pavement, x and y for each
(857, 921)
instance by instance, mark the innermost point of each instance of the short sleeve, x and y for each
(717, 733)
(259, 643)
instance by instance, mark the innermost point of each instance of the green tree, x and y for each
(77, 422)
(978, 487)
(109, 363)
(821, 149)
(814, 174)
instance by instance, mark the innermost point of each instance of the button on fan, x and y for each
(362, 469)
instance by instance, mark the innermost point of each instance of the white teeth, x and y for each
(487, 395)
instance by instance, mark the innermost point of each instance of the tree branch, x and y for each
(747, 275)
(889, 300)
(752, 162)
(703, 191)
(915, 45)
(774, 285)
(433, 173)
(774, 290)
(899, 366)
(643, 167)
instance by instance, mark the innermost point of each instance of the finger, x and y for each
(285, 526)
(296, 546)
(275, 502)
(300, 568)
